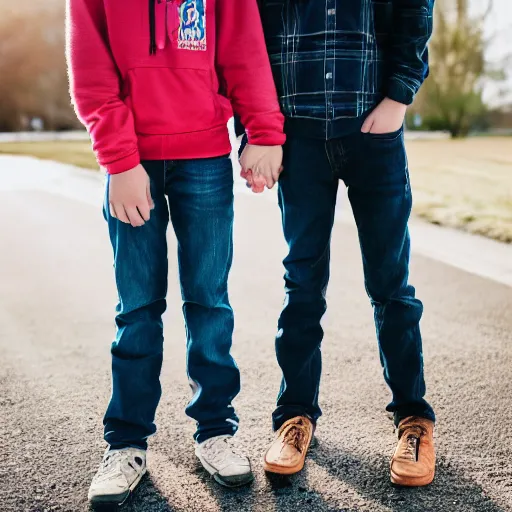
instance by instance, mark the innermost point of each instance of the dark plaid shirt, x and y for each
(334, 60)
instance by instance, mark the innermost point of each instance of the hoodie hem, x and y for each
(186, 146)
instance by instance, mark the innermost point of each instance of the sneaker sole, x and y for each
(116, 499)
(227, 481)
(233, 481)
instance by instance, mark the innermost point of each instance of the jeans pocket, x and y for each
(382, 162)
(386, 137)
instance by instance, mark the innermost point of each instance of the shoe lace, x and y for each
(220, 447)
(412, 433)
(296, 435)
(411, 447)
(114, 459)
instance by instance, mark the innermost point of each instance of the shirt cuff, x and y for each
(399, 92)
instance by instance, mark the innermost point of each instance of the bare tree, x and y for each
(452, 97)
(33, 81)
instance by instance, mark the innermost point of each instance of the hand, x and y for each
(261, 166)
(130, 196)
(257, 185)
(388, 117)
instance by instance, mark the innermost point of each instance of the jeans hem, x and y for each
(204, 436)
(398, 417)
(122, 446)
(276, 425)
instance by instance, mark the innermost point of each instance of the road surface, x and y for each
(57, 298)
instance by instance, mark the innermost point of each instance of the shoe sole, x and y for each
(116, 499)
(227, 481)
(401, 481)
(282, 470)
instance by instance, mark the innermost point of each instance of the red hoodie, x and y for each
(158, 80)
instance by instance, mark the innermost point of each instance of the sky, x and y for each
(499, 27)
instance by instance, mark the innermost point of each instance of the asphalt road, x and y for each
(56, 322)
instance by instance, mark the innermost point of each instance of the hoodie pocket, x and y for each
(167, 101)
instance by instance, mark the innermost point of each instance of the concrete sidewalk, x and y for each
(474, 254)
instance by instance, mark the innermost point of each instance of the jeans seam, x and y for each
(332, 158)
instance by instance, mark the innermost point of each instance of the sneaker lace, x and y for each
(221, 448)
(296, 435)
(116, 459)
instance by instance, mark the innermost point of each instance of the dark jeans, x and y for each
(374, 168)
(200, 203)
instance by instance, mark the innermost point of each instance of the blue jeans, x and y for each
(374, 168)
(198, 195)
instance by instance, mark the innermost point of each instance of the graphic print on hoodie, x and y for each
(192, 32)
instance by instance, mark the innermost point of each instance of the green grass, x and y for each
(465, 184)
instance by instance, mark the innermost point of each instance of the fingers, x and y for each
(277, 173)
(258, 183)
(151, 203)
(134, 217)
(246, 175)
(367, 125)
(144, 211)
(119, 213)
(270, 179)
(266, 173)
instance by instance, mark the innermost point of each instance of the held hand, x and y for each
(130, 196)
(257, 185)
(387, 117)
(261, 166)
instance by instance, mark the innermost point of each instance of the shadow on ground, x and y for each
(450, 491)
(368, 480)
(147, 498)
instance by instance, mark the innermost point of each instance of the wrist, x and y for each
(398, 104)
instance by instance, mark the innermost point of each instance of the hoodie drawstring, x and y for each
(152, 27)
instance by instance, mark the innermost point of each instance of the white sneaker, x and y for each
(119, 473)
(227, 467)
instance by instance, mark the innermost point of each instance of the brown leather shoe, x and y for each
(287, 453)
(414, 461)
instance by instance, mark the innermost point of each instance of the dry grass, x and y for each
(465, 184)
(69, 152)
